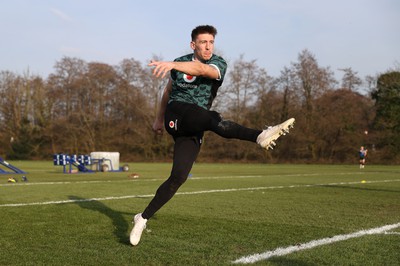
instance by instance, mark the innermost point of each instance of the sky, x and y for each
(360, 34)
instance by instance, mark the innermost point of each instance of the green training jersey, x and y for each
(197, 90)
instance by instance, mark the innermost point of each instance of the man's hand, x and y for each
(161, 68)
(158, 127)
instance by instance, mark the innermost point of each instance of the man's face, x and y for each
(203, 46)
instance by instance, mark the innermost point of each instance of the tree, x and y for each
(343, 116)
(138, 92)
(286, 83)
(64, 83)
(387, 103)
(244, 81)
(63, 89)
(350, 80)
(24, 118)
(87, 106)
(310, 82)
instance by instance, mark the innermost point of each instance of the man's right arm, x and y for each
(158, 124)
(194, 68)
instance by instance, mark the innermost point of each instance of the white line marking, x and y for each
(312, 244)
(191, 193)
(392, 233)
(158, 179)
(64, 183)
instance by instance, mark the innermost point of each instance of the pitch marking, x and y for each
(158, 179)
(190, 193)
(282, 251)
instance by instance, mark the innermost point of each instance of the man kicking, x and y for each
(185, 114)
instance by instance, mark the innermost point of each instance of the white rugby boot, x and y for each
(268, 136)
(139, 226)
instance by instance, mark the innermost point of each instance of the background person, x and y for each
(362, 154)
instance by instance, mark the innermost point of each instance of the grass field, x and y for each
(224, 214)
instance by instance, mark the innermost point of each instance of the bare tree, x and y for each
(350, 80)
(311, 80)
(245, 81)
(23, 114)
(343, 115)
(286, 83)
(12, 98)
(62, 84)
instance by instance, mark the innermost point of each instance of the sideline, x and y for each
(314, 243)
(191, 193)
(158, 179)
(161, 179)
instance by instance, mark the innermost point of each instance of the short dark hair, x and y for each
(203, 29)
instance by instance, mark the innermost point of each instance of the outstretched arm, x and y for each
(193, 68)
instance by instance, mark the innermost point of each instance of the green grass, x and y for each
(243, 209)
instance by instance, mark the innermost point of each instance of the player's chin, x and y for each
(207, 57)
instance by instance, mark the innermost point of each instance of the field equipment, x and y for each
(12, 180)
(87, 164)
(14, 169)
(68, 162)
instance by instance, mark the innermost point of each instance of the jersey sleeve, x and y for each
(173, 74)
(220, 64)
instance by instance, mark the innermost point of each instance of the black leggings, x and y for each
(187, 123)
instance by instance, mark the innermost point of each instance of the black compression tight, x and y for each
(186, 150)
(188, 124)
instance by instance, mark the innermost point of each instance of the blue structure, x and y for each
(15, 170)
(78, 161)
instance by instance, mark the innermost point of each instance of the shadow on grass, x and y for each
(120, 225)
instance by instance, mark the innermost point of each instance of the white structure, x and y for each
(109, 161)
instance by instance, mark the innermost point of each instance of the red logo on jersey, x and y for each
(189, 78)
(171, 124)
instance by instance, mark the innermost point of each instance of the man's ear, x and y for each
(192, 45)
